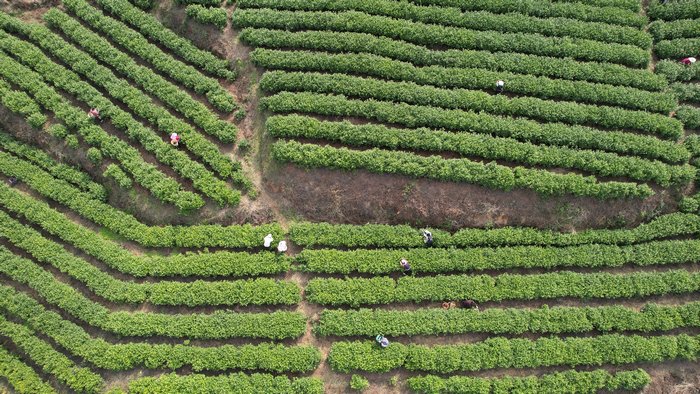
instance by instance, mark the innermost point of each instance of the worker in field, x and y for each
(448, 305)
(174, 139)
(406, 267)
(382, 341)
(500, 86)
(689, 61)
(469, 304)
(282, 246)
(267, 241)
(94, 114)
(13, 181)
(427, 238)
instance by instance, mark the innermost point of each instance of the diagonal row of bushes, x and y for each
(59, 170)
(20, 103)
(208, 15)
(366, 49)
(259, 291)
(149, 26)
(385, 290)
(673, 10)
(471, 100)
(437, 260)
(221, 263)
(511, 321)
(601, 11)
(135, 43)
(50, 360)
(147, 175)
(414, 116)
(513, 353)
(490, 175)
(125, 356)
(126, 225)
(450, 37)
(145, 77)
(568, 381)
(218, 325)
(479, 145)
(477, 78)
(448, 16)
(137, 101)
(385, 236)
(21, 377)
(67, 80)
(232, 383)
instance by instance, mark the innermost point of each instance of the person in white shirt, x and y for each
(282, 247)
(500, 85)
(267, 241)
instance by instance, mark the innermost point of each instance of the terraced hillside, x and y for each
(131, 265)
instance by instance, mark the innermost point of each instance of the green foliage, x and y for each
(471, 100)
(444, 36)
(690, 116)
(59, 170)
(587, 11)
(170, 94)
(674, 70)
(571, 381)
(163, 187)
(509, 23)
(150, 27)
(510, 321)
(359, 383)
(513, 353)
(113, 171)
(384, 290)
(58, 130)
(435, 260)
(124, 356)
(684, 28)
(678, 48)
(143, 4)
(490, 175)
(475, 145)
(138, 45)
(50, 360)
(202, 178)
(73, 142)
(213, 16)
(385, 236)
(358, 51)
(413, 116)
(218, 325)
(233, 383)
(674, 10)
(94, 155)
(211, 3)
(21, 104)
(258, 291)
(21, 377)
(197, 236)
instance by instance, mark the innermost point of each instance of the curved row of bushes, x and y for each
(478, 78)
(259, 291)
(232, 383)
(447, 16)
(414, 116)
(121, 357)
(490, 175)
(451, 37)
(20, 103)
(126, 225)
(457, 97)
(347, 48)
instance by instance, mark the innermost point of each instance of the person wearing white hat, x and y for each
(267, 241)
(282, 247)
